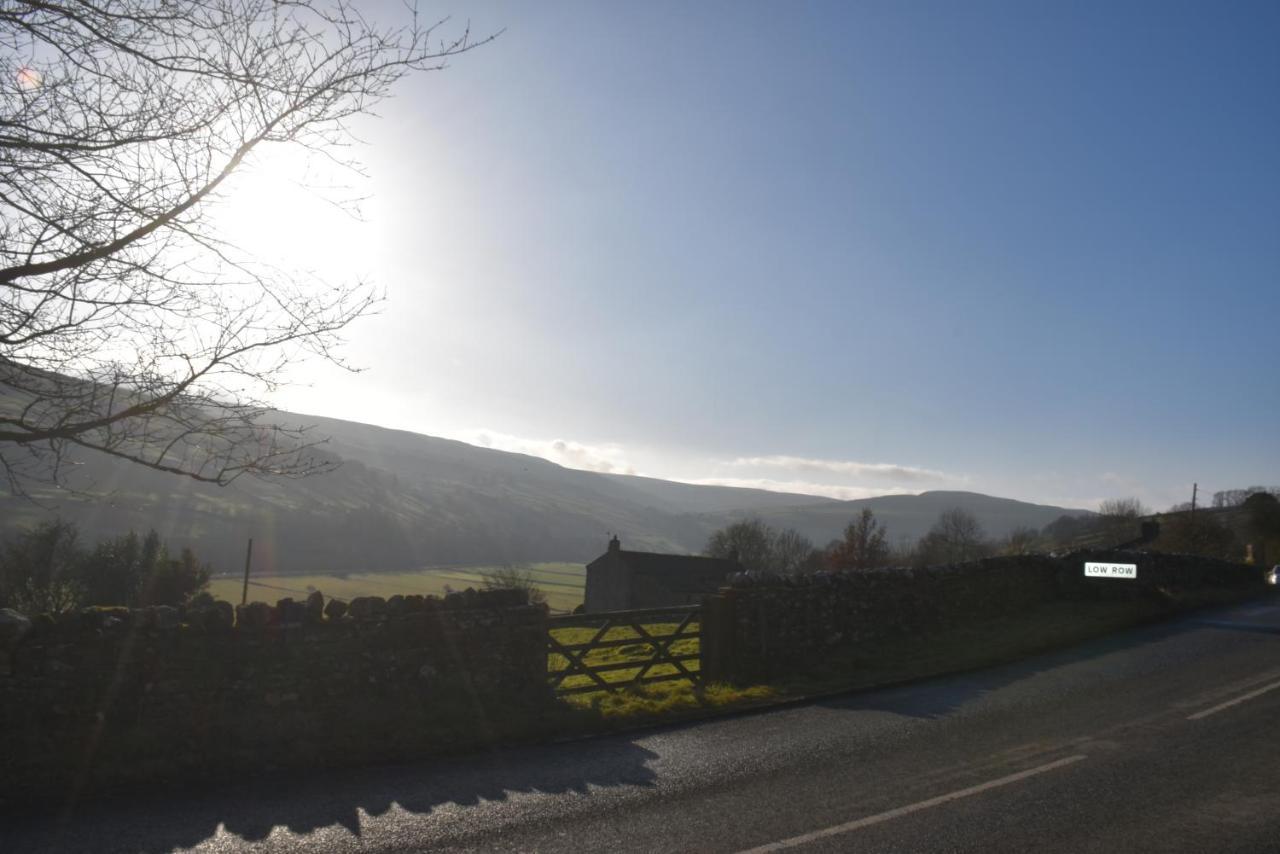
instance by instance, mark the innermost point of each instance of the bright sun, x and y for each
(287, 208)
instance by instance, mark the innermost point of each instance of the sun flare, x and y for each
(296, 211)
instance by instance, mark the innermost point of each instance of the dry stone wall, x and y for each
(96, 700)
(760, 628)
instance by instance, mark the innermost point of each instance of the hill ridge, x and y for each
(403, 499)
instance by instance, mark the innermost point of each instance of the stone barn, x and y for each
(621, 580)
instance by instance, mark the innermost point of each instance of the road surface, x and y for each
(1161, 739)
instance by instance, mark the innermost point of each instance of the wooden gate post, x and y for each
(718, 632)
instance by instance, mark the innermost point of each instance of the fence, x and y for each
(595, 652)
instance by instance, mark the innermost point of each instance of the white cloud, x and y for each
(826, 490)
(883, 471)
(608, 459)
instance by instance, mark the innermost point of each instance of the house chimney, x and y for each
(614, 544)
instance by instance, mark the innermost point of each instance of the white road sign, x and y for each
(1111, 570)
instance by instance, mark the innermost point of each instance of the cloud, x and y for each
(881, 471)
(826, 490)
(607, 459)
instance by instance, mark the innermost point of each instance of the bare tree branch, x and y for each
(128, 325)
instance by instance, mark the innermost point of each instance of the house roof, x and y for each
(653, 563)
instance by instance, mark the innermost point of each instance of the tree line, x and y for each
(1237, 497)
(957, 536)
(46, 569)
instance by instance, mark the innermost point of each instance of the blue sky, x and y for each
(1028, 249)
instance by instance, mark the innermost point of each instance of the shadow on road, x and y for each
(939, 696)
(254, 809)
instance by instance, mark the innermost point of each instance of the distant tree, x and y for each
(863, 545)
(815, 561)
(1119, 517)
(45, 569)
(39, 569)
(175, 580)
(758, 547)
(1122, 508)
(791, 551)
(1236, 497)
(114, 571)
(1022, 540)
(511, 577)
(140, 571)
(956, 537)
(750, 541)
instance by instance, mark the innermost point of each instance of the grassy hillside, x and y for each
(400, 501)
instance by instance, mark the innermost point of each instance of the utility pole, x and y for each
(1195, 544)
(248, 556)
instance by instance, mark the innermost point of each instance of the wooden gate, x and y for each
(594, 652)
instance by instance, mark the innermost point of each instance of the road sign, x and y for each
(1111, 570)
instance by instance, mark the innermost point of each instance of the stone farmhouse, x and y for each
(621, 580)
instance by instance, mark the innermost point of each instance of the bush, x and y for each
(513, 578)
(45, 569)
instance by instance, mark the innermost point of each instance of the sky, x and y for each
(1027, 249)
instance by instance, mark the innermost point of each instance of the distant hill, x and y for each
(676, 497)
(403, 500)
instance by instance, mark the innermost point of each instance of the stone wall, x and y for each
(761, 628)
(107, 697)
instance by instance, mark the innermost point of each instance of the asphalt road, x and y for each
(1161, 739)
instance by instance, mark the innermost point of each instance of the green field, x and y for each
(562, 583)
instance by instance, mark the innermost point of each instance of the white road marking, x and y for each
(806, 838)
(1258, 693)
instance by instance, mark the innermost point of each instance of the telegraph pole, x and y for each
(248, 556)
(1195, 544)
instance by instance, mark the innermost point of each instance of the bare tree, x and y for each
(750, 541)
(863, 546)
(761, 548)
(1118, 517)
(128, 325)
(957, 536)
(1123, 508)
(1236, 497)
(792, 551)
(514, 578)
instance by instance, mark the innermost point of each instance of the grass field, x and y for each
(562, 583)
